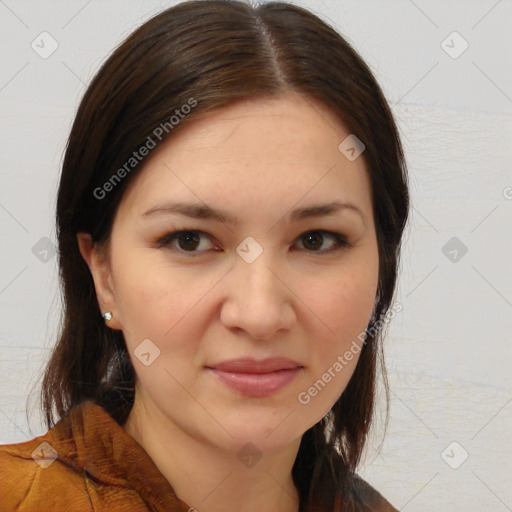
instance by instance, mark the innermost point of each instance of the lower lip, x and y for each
(257, 384)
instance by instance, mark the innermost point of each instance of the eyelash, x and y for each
(167, 239)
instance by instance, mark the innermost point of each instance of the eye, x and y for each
(188, 241)
(314, 239)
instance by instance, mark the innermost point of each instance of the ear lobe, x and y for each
(99, 266)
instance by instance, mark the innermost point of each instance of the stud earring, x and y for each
(107, 316)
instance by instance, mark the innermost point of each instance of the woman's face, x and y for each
(271, 284)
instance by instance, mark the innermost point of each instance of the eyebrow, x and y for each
(202, 211)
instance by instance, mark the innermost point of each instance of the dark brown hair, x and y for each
(217, 52)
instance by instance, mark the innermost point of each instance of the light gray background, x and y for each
(448, 351)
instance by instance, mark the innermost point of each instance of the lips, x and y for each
(253, 378)
(248, 365)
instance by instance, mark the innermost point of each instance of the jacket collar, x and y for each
(89, 440)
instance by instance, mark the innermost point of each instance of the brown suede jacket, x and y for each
(88, 463)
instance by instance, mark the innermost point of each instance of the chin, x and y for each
(266, 432)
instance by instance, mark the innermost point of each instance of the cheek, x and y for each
(164, 307)
(344, 306)
(346, 303)
(156, 300)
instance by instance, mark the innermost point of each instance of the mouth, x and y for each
(256, 378)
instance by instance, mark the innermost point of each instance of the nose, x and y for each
(258, 301)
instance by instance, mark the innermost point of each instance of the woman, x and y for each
(230, 212)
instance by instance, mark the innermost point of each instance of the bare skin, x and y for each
(304, 299)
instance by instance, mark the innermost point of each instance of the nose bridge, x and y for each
(258, 302)
(256, 274)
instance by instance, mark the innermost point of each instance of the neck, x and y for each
(211, 479)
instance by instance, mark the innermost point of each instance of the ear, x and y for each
(99, 264)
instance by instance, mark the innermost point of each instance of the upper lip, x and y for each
(248, 365)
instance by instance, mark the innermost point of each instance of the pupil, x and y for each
(193, 239)
(187, 238)
(313, 236)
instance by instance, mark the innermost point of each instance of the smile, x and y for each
(256, 378)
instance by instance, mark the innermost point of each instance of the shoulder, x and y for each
(31, 471)
(78, 465)
(85, 463)
(366, 498)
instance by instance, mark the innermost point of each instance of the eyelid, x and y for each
(173, 235)
(340, 240)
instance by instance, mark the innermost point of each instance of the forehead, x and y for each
(253, 152)
(291, 120)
